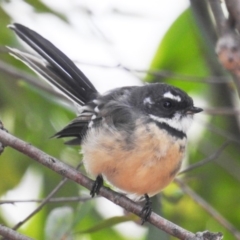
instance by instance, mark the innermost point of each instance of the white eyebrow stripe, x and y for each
(171, 96)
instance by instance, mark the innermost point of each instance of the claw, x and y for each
(98, 183)
(146, 210)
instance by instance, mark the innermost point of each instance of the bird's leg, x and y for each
(146, 210)
(98, 183)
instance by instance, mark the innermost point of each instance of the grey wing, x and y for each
(113, 107)
(120, 112)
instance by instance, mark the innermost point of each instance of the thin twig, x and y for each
(44, 202)
(231, 166)
(163, 74)
(34, 81)
(211, 157)
(181, 77)
(222, 111)
(215, 214)
(41, 205)
(52, 200)
(221, 132)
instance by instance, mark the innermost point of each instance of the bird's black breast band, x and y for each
(172, 131)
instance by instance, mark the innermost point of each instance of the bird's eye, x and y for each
(167, 104)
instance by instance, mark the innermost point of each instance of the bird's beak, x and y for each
(193, 110)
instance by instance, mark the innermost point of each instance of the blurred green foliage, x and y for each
(181, 52)
(33, 116)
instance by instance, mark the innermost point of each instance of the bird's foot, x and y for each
(98, 183)
(146, 210)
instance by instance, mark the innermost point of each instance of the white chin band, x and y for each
(178, 121)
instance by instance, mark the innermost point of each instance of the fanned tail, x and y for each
(55, 66)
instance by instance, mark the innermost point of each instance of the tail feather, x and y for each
(40, 68)
(57, 68)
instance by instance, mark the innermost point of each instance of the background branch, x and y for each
(43, 203)
(220, 20)
(211, 157)
(233, 7)
(208, 208)
(228, 44)
(51, 200)
(29, 78)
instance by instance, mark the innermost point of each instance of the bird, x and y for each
(133, 137)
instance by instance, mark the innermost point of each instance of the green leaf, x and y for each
(181, 52)
(59, 224)
(5, 34)
(82, 210)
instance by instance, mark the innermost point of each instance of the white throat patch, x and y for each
(178, 122)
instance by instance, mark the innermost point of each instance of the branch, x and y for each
(10, 234)
(74, 175)
(228, 45)
(2, 147)
(215, 214)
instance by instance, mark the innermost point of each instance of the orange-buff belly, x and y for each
(146, 163)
